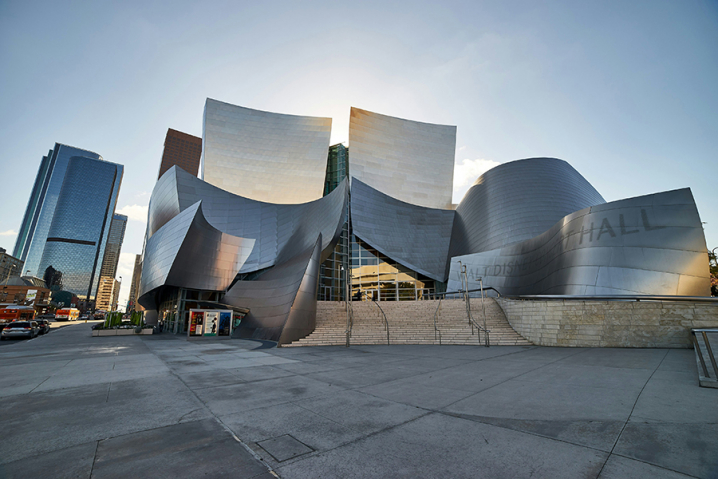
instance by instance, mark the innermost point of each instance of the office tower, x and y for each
(68, 218)
(108, 288)
(107, 294)
(135, 285)
(182, 150)
(114, 245)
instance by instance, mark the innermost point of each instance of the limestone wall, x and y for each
(630, 324)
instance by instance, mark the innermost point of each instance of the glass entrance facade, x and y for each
(375, 276)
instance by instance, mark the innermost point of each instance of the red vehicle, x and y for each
(12, 313)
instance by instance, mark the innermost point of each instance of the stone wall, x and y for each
(629, 324)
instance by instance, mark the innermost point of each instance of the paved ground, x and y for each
(162, 406)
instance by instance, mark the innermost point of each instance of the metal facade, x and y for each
(414, 236)
(650, 244)
(188, 252)
(407, 160)
(533, 226)
(264, 156)
(516, 201)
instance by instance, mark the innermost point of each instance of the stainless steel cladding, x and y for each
(411, 235)
(188, 252)
(407, 160)
(283, 301)
(516, 201)
(264, 156)
(650, 244)
(281, 231)
(201, 237)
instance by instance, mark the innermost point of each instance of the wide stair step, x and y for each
(411, 322)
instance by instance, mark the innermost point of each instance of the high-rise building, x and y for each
(182, 150)
(68, 218)
(132, 304)
(9, 265)
(107, 294)
(114, 245)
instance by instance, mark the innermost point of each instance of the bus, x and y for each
(67, 314)
(16, 313)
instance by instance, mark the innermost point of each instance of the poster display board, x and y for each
(213, 322)
(196, 321)
(225, 323)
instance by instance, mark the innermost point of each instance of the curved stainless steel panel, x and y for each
(413, 236)
(283, 301)
(188, 252)
(407, 160)
(516, 201)
(650, 244)
(264, 156)
(281, 231)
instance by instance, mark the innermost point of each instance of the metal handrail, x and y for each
(350, 313)
(386, 323)
(436, 329)
(472, 322)
(709, 350)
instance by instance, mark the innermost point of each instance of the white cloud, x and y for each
(8, 233)
(134, 212)
(466, 172)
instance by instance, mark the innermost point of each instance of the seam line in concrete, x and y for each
(512, 378)
(618, 437)
(94, 458)
(224, 426)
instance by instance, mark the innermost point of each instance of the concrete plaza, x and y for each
(162, 406)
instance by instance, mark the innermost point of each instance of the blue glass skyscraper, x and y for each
(68, 217)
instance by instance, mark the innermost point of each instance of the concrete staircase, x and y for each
(410, 322)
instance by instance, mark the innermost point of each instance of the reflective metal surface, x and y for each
(516, 201)
(264, 156)
(650, 244)
(279, 230)
(407, 160)
(282, 301)
(413, 236)
(205, 248)
(188, 252)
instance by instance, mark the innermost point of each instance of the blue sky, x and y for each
(624, 91)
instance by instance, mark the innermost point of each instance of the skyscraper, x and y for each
(109, 287)
(132, 303)
(182, 150)
(68, 218)
(114, 245)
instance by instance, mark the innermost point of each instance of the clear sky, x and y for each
(627, 92)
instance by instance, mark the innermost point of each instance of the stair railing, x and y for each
(386, 323)
(350, 312)
(465, 281)
(709, 350)
(436, 329)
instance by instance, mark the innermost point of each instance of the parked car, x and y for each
(43, 325)
(20, 329)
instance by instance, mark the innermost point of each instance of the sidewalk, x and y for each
(162, 406)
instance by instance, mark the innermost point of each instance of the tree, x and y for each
(53, 278)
